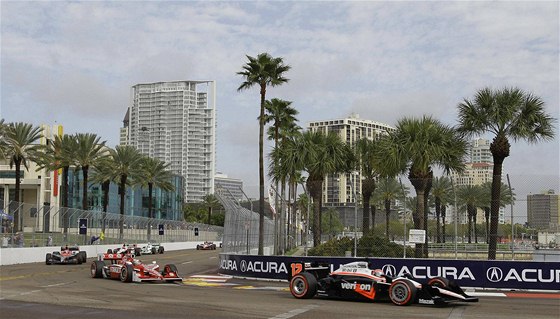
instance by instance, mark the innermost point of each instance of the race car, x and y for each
(66, 255)
(126, 249)
(126, 268)
(151, 249)
(356, 280)
(207, 245)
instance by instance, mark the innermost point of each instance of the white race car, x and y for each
(151, 249)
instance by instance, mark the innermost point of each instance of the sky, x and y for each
(73, 63)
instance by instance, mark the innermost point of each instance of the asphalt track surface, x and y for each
(67, 291)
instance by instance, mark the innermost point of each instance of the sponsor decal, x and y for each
(228, 264)
(496, 274)
(426, 301)
(354, 285)
(425, 272)
(263, 266)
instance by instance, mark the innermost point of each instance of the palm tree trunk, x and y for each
(443, 209)
(373, 212)
(365, 212)
(469, 215)
(426, 210)
(64, 200)
(438, 225)
(122, 189)
(420, 184)
(105, 187)
(261, 172)
(150, 210)
(315, 189)
(17, 224)
(500, 150)
(387, 216)
(474, 226)
(85, 188)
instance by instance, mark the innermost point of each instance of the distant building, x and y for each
(477, 171)
(176, 123)
(232, 186)
(543, 211)
(339, 189)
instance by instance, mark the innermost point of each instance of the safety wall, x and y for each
(467, 273)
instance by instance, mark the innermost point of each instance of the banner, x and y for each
(467, 273)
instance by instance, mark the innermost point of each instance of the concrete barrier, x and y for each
(11, 256)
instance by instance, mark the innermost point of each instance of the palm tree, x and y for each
(20, 147)
(210, 202)
(441, 192)
(319, 155)
(125, 161)
(88, 150)
(509, 113)
(59, 153)
(416, 146)
(104, 174)
(282, 116)
(389, 191)
(486, 198)
(263, 71)
(369, 164)
(3, 145)
(470, 197)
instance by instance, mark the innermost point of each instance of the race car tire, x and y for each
(126, 273)
(154, 251)
(197, 247)
(83, 254)
(303, 285)
(160, 250)
(48, 259)
(402, 292)
(440, 282)
(169, 268)
(137, 251)
(97, 269)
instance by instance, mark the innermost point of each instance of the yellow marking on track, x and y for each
(244, 287)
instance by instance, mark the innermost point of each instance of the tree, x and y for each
(416, 146)
(154, 173)
(389, 191)
(486, 199)
(20, 147)
(509, 113)
(441, 192)
(319, 155)
(3, 144)
(369, 164)
(470, 197)
(210, 202)
(262, 71)
(104, 174)
(282, 116)
(88, 150)
(125, 162)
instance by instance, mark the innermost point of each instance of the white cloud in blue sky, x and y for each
(74, 63)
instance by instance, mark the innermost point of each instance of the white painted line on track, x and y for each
(487, 294)
(294, 312)
(213, 257)
(186, 262)
(59, 284)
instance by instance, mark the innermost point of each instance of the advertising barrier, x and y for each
(499, 274)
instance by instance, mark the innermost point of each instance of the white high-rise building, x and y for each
(340, 189)
(480, 151)
(176, 122)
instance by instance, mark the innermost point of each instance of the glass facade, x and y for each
(165, 205)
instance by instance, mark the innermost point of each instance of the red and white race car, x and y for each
(207, 245)
(128, 269)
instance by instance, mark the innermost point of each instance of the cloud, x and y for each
(74, 62)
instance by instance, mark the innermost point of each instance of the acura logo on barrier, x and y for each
(389, 270)
(243, 266)
(494, 274)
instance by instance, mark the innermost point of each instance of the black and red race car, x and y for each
(126, 268)
(66, 255)
(357, 281)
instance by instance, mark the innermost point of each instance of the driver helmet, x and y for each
(378, 272)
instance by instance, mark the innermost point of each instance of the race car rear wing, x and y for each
(318, 269)
(106, 256)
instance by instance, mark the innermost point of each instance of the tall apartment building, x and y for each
(339, 190)
(478, 170)
(543, 211)
(176, 122)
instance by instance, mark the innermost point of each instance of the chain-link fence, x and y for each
(27, 225)
(241, 227)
